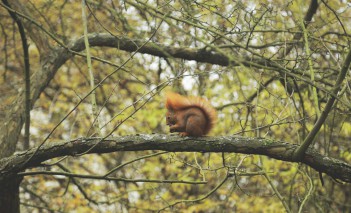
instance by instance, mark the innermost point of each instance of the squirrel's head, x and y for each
(170, 118)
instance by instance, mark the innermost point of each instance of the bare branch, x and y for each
(310, 137)
(9, 167)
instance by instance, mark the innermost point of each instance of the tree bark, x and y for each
(9, 195)
(10, 167)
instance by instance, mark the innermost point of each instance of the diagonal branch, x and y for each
(298, 154)
(10, 167)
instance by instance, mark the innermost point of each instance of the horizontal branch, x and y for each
(152, 48)
(11, 166)
(202, 55)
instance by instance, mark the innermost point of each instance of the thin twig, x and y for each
(299, 153)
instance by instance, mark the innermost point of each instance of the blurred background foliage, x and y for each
(252, 101)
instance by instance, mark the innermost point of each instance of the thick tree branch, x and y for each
(27, 106)
(26, 75)
(9, 167)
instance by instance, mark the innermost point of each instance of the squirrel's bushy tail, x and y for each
(176, 102)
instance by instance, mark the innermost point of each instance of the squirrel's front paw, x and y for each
(183, 134)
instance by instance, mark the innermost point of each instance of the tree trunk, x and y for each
(9, 195)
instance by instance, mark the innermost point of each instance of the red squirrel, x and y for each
(190, 116)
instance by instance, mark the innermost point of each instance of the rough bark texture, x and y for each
(9, 195)
(9, 167)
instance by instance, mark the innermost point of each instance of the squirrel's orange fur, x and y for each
(191, 116)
